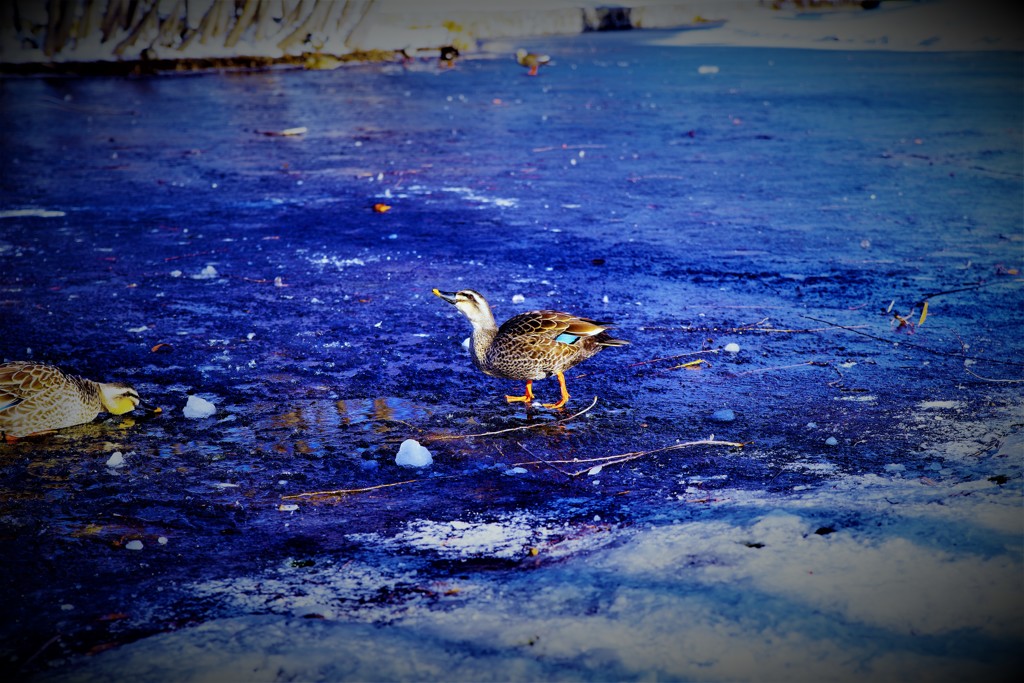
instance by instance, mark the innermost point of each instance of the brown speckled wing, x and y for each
(550, 324)
(526, 346)
(39, 398)
(20, 381)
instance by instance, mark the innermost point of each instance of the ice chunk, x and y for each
(116, 459)
(518, 298)
(207, 273)
(197, 408)
(133, 545)
(831, 441)
(732, 347)
(723, 415)
(412, 454)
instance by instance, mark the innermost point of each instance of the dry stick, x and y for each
(626, 457)
(782, 367)
(990, 379)
(570, 146)
(634, 454)
(963, 345)
(923, 303)
(968, 288)
(749, 325)
(748, 328)
(917, 346)
(546, 462)
(616, 460)
(451, 437)
(341, 492)
(40, 651)
(679, 355)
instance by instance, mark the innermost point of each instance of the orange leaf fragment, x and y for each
(381, 208)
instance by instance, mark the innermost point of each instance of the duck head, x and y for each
(119, 398)
(471, 304)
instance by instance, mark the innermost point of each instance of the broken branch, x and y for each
(626, 457)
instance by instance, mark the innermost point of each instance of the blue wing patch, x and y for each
(11, 404)
(567, 338)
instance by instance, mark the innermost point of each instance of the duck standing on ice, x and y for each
(531, 60)
(530, 346)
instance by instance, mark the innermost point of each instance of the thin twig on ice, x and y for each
(626, 457)
(451, 437)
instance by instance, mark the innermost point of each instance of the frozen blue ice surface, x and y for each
(783, 189)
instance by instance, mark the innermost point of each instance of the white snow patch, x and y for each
(207, 273)
(36, 213)
(941, 405)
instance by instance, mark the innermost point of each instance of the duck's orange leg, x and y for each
(526, 398)
(565, 394)
(533, 70)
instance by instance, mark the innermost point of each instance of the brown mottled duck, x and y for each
(531, 61)
(529, 346)
(35, 397)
